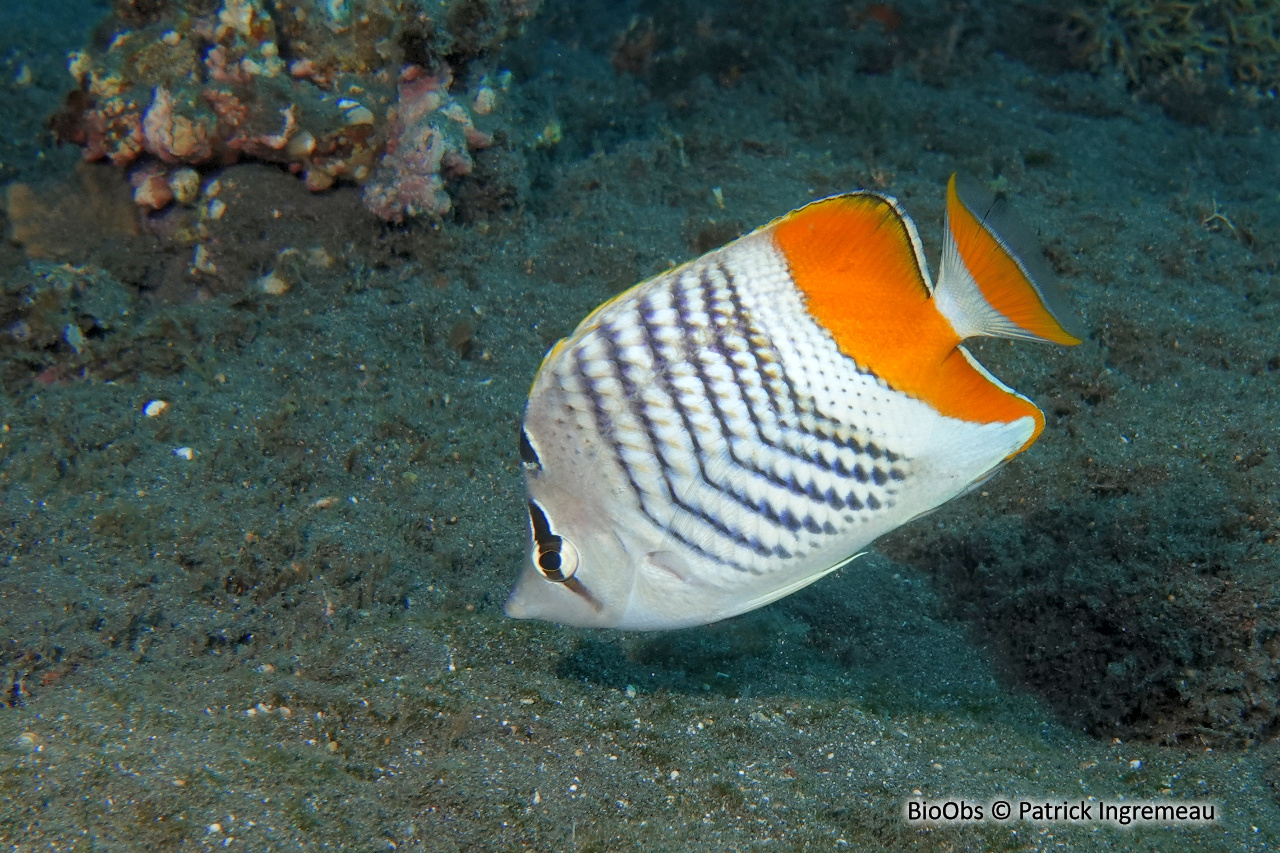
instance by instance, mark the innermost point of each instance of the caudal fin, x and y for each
(993, 281)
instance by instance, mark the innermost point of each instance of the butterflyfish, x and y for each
(731, 430)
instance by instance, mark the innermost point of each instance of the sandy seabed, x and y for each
(289, 633)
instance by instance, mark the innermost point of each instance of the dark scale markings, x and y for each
(646, 315)
(761, 355)
(605, 426)
(708, 392)
(689, 333)
(766, 397)
(770, 383)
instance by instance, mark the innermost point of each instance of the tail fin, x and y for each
(993, 281)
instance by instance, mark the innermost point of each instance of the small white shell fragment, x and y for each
(75, 338)
(215, 209)
(357, 113)
(78, 63)
(486, 99)
(318, 258)
(274, 284)
(302, 144)
(1135, 764)
(154, 193)
(184, 453)
(201, 262)
(185, 185)
(155, 408)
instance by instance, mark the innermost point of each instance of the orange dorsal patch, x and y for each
(855, 258)
(1004, 282)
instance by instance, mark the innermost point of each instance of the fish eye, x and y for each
(558, 565)
(555, 557)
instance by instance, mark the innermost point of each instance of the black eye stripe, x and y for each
(542, 535)
(527, 454)
(548, 544)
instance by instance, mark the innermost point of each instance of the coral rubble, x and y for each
(355, 90)
(429, 139)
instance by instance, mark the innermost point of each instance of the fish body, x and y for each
(726, 433)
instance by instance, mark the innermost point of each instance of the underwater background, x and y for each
(276, 277)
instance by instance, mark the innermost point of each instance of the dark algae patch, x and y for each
(260, 490)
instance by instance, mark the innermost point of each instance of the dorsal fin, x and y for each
(858, 261)
(993, 281)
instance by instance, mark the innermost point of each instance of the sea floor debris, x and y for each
(379, 91)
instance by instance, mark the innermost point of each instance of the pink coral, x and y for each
(173, 137)
(151, 188)
(114, 135)
(270, 81)
(430, 139)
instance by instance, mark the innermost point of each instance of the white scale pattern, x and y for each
(701, 383)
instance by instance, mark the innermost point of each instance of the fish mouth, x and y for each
(564, 603)
(515, 606)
